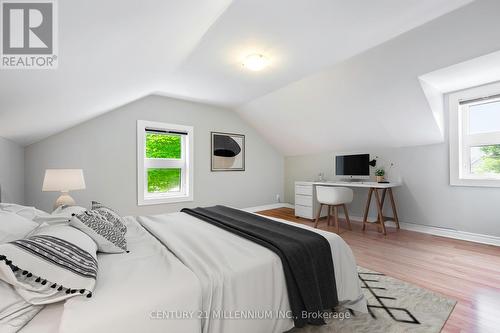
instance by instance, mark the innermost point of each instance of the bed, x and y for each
(185, 275)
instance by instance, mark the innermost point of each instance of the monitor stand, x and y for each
(353, 180)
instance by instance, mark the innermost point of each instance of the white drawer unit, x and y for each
(306, 205)
(304, 200)
(304, 189)
(303, 211)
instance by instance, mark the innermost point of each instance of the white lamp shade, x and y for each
(63, 180)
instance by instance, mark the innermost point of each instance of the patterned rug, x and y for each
(394, 306)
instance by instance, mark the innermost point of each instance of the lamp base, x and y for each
(64, 200)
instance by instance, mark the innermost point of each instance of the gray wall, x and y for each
(11, 172)
(105, 148)
(425, 198)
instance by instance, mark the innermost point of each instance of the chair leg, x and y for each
(346, 213)
(329, 209)
(318, 216)
(336, 213)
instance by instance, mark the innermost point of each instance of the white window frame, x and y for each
(185, 163)
(461, 141)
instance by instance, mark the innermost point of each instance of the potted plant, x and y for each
(380, 173)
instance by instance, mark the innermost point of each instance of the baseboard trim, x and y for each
(426, 229)
(443, 232)
(267, 207)
(451, 233)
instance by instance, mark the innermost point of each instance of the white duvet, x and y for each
(184, 272)
(131, 288)
(239, 277)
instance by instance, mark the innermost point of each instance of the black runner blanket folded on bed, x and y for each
(305, 255)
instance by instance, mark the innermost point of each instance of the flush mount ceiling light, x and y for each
(255, 62)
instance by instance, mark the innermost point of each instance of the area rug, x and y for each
(393, 306)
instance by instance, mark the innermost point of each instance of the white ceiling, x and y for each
(299, 37)
(115, 51)
(110, 53)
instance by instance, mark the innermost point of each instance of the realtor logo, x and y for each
(29, 39)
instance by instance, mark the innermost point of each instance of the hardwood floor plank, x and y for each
(465, 271)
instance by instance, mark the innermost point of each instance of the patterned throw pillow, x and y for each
(111, 216)
(104, 226)
(55, 263)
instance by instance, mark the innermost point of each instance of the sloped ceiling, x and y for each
(110, 53)
(299, 37)
(115, 51)
(375, 99)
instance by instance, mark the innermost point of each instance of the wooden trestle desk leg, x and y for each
(394, 210)
(367, 208)
(379, 211)
(380, 207)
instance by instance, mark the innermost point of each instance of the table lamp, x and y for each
(63, 180)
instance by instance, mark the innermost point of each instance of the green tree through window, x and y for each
(164, 180)
(163, 146)
(490, 160)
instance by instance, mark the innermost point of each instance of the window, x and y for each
(475, 137)
(164, 163)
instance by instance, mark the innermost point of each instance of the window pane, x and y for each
(485, 160)
(163, 145)
(484, 118)
(164, 180)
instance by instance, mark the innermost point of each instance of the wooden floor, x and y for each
(467, 272)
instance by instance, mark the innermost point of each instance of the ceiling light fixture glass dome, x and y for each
(255, 62)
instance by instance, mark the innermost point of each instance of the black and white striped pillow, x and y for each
(55, 263)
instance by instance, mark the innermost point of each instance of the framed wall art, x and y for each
(228, 152)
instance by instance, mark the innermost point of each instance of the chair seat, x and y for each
(331, 195)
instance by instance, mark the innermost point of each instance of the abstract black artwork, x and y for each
(228, 152)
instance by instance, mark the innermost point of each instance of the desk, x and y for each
(306, 203)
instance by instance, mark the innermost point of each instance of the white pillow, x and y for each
(27, 212)
(62, 214)
(55, 263)
(13, 226)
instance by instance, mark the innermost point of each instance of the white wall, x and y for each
(11, 172)
(376, 98)
(426, 198)
(105, 148)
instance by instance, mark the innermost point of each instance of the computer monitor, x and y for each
(353, 166)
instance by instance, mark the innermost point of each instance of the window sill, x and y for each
(475, 182)
(163, 200)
